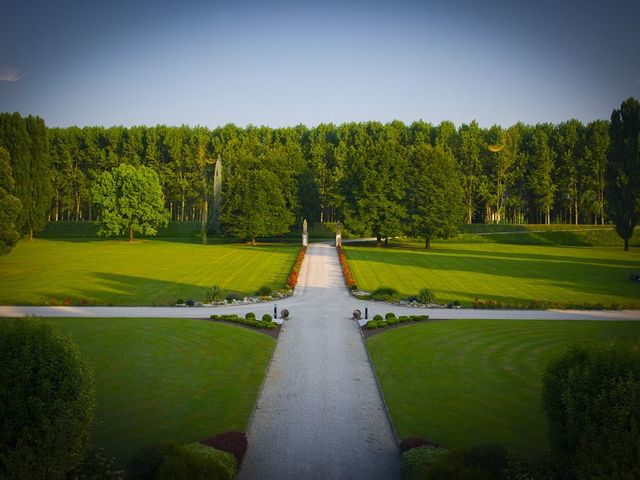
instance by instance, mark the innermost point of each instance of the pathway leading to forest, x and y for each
(320, 414)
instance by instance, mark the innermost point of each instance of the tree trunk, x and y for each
(253, 240)
(427, 243)
(182, 208)
(31, 238)
(386, 242)
(378, 240)
(131, 233)
(626, 244)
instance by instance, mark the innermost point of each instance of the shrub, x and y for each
(426, 296)
(47, 398)
(591, 397)
(231, 442)
(190, 303)
(371, 325)
(403, 319)
(384, 294)
(413, 442)
(250, 315)
(389, 315)
(269, 326)
(417, 318)
(97, 466)
(417, 459)
(146, 461)
(180, 301)
(233, 296)
(378, 317)
(214, 294)
(267, 318)
(382, 324)
(392, 321)
(478, 463)
(196, 461)
(264, 291)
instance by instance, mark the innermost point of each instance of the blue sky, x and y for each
(288, 62)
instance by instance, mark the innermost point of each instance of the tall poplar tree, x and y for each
(9, 206)
(623, 169)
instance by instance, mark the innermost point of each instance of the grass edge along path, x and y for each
(468, 382)
(168, 380)
(143, 272)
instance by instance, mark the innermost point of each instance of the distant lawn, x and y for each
(168, 380)
(515, 274)
(145, 272)
(469, 382)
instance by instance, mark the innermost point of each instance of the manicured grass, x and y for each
(143, 272)
(168, 380)
(469, 382)
(512, 274)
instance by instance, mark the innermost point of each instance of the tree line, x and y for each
(381, 179)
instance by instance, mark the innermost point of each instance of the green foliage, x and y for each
(249, 315)
(426, 296)
(267, 318)
(131, 200)
(435, 208)
(233, 296)
(196, 461)
(485, 462)
(27, 143)
(97, 465)
(10, 206)
(47, 398)
(264, 291)
(378, 317)
(623, 169)
(413, 462)
(591, 397)
(389, 315)
(385, 294)
(214, 294)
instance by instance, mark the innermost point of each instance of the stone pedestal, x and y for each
(305, 239)
(338, 240)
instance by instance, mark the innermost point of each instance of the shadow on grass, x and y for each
(126, 290)
(582, 274)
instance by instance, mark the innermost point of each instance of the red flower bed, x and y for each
(348, 278)
(231, 442)
(293, 276)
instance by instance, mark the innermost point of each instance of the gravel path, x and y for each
(320, 414)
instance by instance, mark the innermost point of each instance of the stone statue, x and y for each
(305, 236)
(304, 227)
(338, 235)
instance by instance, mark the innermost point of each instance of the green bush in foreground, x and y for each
(591, 396)
(267, 318)
(196, 461)
(47, 401)
(416, 460)
(483, 462)
(214, 294)
(426, 296)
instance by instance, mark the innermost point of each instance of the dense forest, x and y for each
(371, 176)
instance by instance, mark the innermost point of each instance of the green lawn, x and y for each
(469, 382)
(169, 380)
(515, 274)
(144, 272)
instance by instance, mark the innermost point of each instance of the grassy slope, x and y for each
(466, 382)
(161, 380)
(508, 273)
(145, 272)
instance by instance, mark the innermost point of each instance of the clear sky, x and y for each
(281, 63)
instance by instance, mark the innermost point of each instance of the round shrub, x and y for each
(371, 325)
(196, 461)
(426, 296)
(264, 291)
(382, 324)
(378, 317)
(392, 321)
(180, 301)
(389, 315)
(403, 319)
(267, 318)
(416, 460)
(214, 294)
(591, 397)
(47, 401)
(250, 315)
(233, 296)
(270, 326)
(190, 303)
(231, 442)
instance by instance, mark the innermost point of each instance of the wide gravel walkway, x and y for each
(320, 414)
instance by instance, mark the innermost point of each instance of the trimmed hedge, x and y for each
(196, 461)
(249, 320)
(379, 322)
